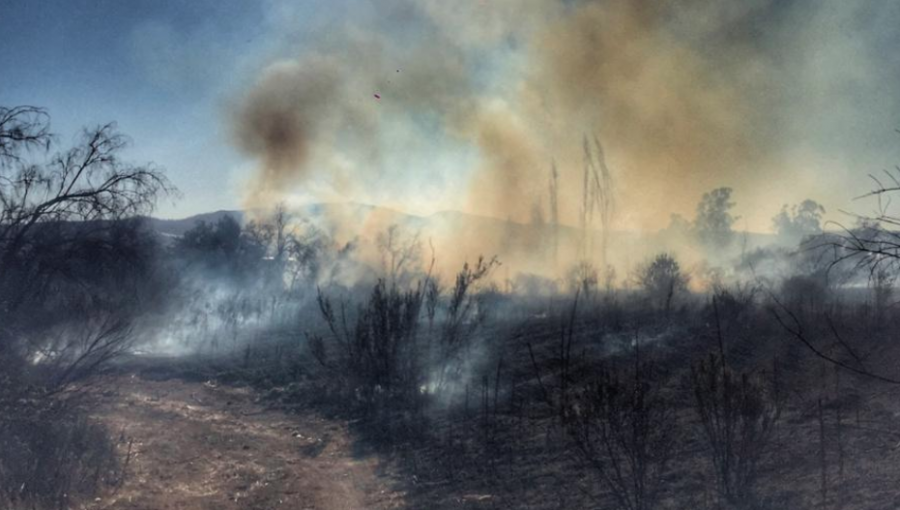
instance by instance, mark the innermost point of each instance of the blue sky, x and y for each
(818, 77)
(169, 73)
(161, 70)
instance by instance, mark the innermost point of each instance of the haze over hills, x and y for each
(458, 237)
(319, 213)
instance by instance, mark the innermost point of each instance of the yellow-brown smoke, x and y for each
(669, 120)
(279, 122)
(684, 95)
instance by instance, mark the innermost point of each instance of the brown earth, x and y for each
(193, 445)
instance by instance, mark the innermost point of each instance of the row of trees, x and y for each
(272, 250)
(713, 225)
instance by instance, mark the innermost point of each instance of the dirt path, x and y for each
(199, 446)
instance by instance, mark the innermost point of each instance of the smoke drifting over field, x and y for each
(520, 253)
(685, 96)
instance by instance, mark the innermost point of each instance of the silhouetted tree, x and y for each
(799, 221)
(738, 414)
(583, 278)
(464, 315)
(597, 196)
(663, 280)
(76, 274)
(275, 232)
(378, 359)
(622, 427)
(714, 219)
(873, 243)
(224, 249)
(293, 248)
(554, 209)
(61, 218)
(400, 254)
(678, 225)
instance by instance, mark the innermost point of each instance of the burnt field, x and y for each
(575, 403)
(566, 410)
(419, 254)
(259, 363)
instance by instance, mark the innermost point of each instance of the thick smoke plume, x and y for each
(685, 96)
(280, 120)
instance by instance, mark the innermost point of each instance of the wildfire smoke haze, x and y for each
(389, 254)
(684, 95)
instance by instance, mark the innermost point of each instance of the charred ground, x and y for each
(761, 378)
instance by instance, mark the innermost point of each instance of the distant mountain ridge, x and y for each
(315, 212)
(458, 237)
(177, 227)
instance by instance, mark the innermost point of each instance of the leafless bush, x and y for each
(663, 281)
(50, 453)
(807, 295)
(433, 290)
(73, 272)
(733, 309)
(623, 427)
(379, 358)
(401, 254)
(583, 278)
(874, 243)
(735, 301)
(465, 314)
(738, 414)
(376, 351)
(293, 248)
(75, 351)
(882, 282)
(60, 221)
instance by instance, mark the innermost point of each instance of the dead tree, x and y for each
(378, 358)
(622, 427)
(554, 210)
(663, 281)
(75, 203)
(465, 314)
(72, 259)
(400, 254)
(597, 197)
(738, 414)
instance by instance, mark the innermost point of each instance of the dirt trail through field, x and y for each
(201, 446)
